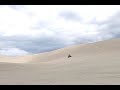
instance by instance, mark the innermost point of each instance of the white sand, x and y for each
(95, 63)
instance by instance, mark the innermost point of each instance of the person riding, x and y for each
(69, 56)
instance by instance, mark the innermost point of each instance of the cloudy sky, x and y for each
(31, 29)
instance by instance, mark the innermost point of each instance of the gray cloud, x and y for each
(32, 45)
(69, 15)
(39, 25)
(21, 8)
(16, 7)
(111, 27)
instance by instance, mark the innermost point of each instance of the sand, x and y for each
(91, 64)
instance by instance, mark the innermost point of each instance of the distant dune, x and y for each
(93, 63)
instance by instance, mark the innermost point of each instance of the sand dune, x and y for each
(93, 63)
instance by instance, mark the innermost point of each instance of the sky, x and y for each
(32, 29)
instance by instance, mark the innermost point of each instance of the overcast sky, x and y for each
(31, 29)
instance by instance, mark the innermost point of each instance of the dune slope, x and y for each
(93, 63)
